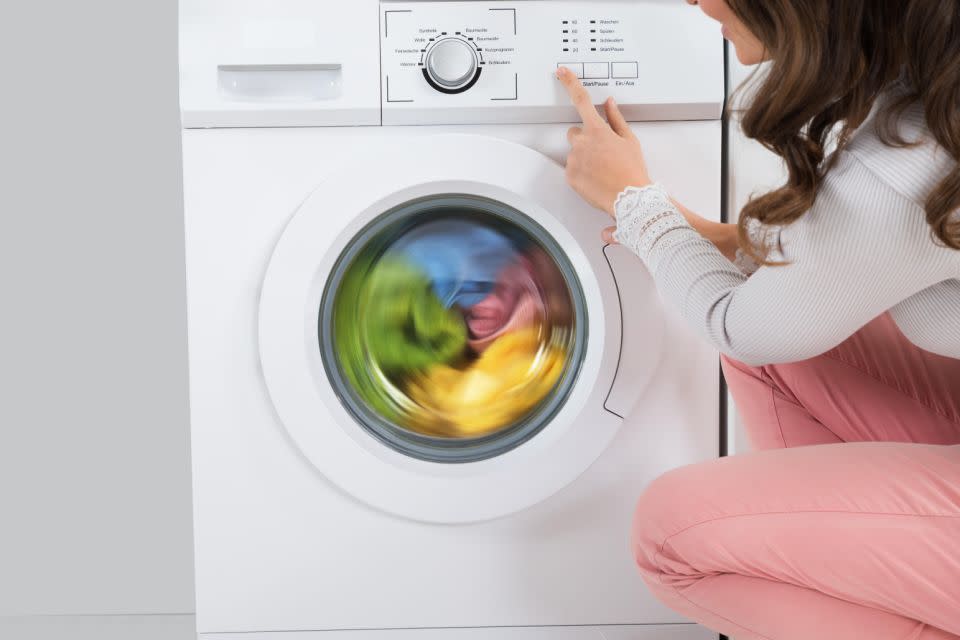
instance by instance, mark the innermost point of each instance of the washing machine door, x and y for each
(440, 330)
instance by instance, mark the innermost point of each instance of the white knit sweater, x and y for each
(864, 248)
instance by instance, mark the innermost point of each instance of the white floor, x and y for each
(181, 627)
(147, 627)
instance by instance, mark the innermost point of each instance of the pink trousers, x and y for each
(856, 537)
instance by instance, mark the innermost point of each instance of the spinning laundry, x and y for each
(454, 329)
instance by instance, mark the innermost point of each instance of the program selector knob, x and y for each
(451, 66)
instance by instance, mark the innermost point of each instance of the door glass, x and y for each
(453, 328)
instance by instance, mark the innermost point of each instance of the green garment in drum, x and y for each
(389, 323)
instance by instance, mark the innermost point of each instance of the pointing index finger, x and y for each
(579, 96)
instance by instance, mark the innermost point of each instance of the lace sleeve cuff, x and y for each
(646, 219)
(758, 236)
(747, 265)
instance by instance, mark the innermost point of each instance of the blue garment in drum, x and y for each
(461, 258)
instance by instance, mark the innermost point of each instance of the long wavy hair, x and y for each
(829, 62)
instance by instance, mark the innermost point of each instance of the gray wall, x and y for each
(94, 442)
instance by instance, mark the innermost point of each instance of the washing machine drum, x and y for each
(441, 341)
(453, 328)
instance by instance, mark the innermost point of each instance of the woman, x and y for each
(836, 305)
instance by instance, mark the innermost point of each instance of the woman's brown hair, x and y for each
(830, 61)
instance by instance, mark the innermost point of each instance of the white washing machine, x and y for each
(424, 394)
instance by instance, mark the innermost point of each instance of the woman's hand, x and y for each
(605, 157)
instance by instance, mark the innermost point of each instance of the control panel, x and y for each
(262, 63)
(474, 61)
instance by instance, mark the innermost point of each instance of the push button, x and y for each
(596, 70)
(626, 70)
(576, 67)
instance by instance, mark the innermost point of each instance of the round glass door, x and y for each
(453, 328)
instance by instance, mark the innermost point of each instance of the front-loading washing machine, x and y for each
(425, 395)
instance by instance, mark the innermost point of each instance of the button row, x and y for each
(602, 70)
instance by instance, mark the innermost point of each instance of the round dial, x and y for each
(451, 63)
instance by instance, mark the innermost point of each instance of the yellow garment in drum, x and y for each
(509, 379)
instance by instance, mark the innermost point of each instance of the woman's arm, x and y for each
(856, 254)
(860, 251)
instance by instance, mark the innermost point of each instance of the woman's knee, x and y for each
(667, 506)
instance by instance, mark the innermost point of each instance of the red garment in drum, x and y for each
(516, 302)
